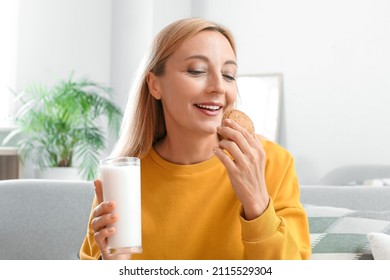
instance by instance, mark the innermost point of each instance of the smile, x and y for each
(208, 107)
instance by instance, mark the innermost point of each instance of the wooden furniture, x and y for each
(10, 167)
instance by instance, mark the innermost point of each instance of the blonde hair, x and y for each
(145, 125)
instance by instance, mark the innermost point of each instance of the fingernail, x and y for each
(228, 121)
(109, 203)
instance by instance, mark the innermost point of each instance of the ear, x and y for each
(154, 85)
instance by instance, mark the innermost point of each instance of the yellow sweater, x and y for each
(192, 212)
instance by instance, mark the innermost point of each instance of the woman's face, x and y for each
(198, 84)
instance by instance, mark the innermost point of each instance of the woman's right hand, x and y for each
(103, 215)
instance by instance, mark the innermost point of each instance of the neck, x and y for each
(188, 149)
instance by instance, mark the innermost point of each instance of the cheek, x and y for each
(175, 95)
(231, 96)
(181, 89)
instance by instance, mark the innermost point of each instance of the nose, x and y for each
(216, 83)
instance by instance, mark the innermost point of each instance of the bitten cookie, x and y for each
(241, 118)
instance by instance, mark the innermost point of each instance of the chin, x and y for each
(207, 128)
(210, 129)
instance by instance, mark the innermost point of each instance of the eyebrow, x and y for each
(205, 58)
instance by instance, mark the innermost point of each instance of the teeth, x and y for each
(209, 107)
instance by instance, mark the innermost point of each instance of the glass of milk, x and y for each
(121, 179)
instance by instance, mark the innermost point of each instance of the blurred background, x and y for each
(334, 57)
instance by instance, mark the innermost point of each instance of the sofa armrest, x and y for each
(43, 219)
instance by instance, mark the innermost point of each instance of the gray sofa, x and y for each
(47, 219)
(43, 219)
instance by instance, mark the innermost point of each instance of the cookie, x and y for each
(241, 118)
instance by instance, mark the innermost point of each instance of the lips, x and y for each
(208, 107)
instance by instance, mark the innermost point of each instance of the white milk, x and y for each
(122, 184)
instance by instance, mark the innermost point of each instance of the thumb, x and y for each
(98, 190)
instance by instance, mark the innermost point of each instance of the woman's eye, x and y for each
(195, 72)
(229, 77)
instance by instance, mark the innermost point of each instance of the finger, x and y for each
(235, 136)
(98, 190)
(106, 207)
(230, 133)
(225, 159)
(233, 131)
(103, 221)
(233, 149)
(235, 126)
(101, 238)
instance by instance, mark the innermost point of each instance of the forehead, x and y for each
(206, 42)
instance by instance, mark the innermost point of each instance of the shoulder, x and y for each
(280, 171)
(276, 153)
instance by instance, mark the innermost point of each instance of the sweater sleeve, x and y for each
(89, 249)
(282, 231)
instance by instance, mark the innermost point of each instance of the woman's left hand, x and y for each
(245, 166)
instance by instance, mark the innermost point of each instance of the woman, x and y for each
(198, 202)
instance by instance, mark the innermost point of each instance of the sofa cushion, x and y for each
(380, 245)
(341, 233)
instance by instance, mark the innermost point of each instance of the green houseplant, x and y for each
(59, 124)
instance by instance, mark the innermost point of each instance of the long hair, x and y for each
(143, 122)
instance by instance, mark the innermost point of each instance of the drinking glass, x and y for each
(121, 179)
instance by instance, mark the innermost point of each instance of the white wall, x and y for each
(333, 55)
(57, 37)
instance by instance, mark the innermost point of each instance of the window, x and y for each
(8, 51)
